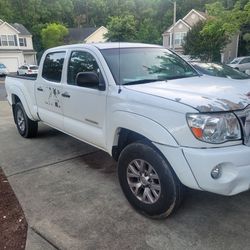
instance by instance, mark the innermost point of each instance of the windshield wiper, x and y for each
(142, 81)
(181, 76)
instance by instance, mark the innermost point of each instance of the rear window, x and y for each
(2, 66)
(34, 67)
(52, 66)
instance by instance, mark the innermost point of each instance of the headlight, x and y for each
(214, 128)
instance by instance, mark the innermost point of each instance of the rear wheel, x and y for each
(26, 127)
(148, 182)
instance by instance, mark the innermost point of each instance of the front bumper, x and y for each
(234, 162)
(193, 167)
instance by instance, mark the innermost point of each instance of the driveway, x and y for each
(71, 197)
(2, 89)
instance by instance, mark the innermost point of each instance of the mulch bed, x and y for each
(13, 225)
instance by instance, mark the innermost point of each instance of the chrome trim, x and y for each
(244, 117)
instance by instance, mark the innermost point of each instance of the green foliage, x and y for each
(205, 45)
(246, 38)
(207, 40)
(53, 35)
(147, 19)
(121, 28)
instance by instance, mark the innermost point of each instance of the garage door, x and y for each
(10, 62)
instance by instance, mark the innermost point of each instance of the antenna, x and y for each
(119, 56)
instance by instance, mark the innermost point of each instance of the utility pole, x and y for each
(174, 22)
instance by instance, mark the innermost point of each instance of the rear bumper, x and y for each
(193, 167)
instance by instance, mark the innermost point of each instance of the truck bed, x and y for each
(27, 77)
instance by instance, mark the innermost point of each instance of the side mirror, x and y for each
(89, 80)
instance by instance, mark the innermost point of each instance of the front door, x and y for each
(85, 106)
(48, 90)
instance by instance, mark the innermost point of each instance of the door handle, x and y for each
(66, 94)
(40, 89)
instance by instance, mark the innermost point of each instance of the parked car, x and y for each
(241, 63)
(3, 70)
(27, 70)
(166, 125)
(219, 70)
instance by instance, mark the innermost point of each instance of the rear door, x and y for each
(49, 89)
(85, 106)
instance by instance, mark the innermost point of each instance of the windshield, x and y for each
(2, 66)
(142, 65)
(235, 61)
(219, 70)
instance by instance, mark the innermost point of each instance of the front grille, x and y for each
(244, 117)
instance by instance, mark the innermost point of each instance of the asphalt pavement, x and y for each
(71, 198)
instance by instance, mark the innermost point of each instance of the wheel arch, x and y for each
(135, 127)
(18, 96)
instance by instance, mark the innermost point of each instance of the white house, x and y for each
(182, 26)
(16, 46)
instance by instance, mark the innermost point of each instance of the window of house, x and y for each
(23, 42)
(179, 38)
(8, 40)
(11, 40)
(52, 66)
(4, 40)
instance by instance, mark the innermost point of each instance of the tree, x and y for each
(121, 29)
(53, 35)
(207, 40)
(205, 45)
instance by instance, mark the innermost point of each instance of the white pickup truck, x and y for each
(168, 126)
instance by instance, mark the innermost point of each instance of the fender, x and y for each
(145, 126)
(18, 92)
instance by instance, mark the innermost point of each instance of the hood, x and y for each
(204, 93)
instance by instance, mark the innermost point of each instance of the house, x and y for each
(86, 35)
(182, 26)
(16, 46)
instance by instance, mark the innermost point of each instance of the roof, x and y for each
(109, 45)
(179, 21)
(200, 13)
(80, 34)
(19, 27)
(205, 15)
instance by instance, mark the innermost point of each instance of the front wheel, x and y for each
(26, 127)
(148, 182)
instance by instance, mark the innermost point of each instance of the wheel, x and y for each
(26, 127)
(148, 181)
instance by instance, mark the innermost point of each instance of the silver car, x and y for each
(241, 63)
(3, 70)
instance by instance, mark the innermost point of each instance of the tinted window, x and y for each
(34, 67)
(245, 60)
(81, 61)
(2, 66)
(52, 66)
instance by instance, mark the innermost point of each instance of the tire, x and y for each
(26, 127)
(157, 196)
